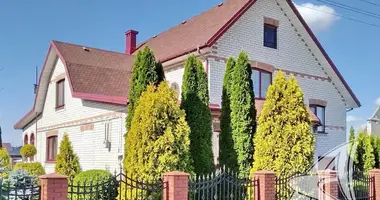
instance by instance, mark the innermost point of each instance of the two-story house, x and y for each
(83, 91)
(373, 124)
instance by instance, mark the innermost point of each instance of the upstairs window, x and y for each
(270, 36)
(261, 81)
(51, 148)
(60, 94)
(319, 111)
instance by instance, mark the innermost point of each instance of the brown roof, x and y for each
(196, 32)
(95, 71)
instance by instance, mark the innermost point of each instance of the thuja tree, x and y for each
(145, 70)
(284, 142)
(227, 154)
(243, 113)
(195, 101)
(67, 161)
(360, 151)
(158, 140)
(369, 156)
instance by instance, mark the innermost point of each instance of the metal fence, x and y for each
(357, 187)
(222, 184)
(19, 191)
(119, 187)
(297, 186)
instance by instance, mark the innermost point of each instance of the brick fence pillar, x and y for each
(53, 187)
(374, 189)
(328, 185)
(265, 188)
(176, 186)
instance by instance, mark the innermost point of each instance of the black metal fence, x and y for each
(298, 186)
(221, 185)
(19, 191)
(355, 186)
(119, 187)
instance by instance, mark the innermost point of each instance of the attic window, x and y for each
(220, 4)
(60, 94)
(86, 49)
(184, 22)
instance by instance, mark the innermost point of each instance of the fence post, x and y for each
(265, 188)
(176, 186)
(374, 187)
(328, 185)
(53, 187)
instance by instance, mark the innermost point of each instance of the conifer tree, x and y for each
(145, 70)
(360, 151)
(1, 138)
(227, 154)
(67, 161)
(158, 140)
(369, 156)
(195, 101)
(377, 152)
(243, 113)
(284, 142)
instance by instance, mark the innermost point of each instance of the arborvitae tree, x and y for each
(67, 161)
(227, 154)
(158, 140)
(377, 152)
(360, 151)
(195, 101)
(369, 156)
(351, 141)
(284, 142)
(145, 71)
(243, 113)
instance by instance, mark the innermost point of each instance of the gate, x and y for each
(359, 187)
(298, 186)
(221, 185)
(119, 187)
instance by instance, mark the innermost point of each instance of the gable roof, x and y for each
(86, 69)
(376, 115)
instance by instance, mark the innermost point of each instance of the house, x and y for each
(83, 91)
(373, 124)
(14, 153)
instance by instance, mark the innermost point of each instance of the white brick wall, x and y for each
(292, 54)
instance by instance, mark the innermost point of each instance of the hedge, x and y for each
(34, 168)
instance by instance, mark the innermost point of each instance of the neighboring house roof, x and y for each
(12, 151)
(7, 146)
(103, 76)
(376, 115)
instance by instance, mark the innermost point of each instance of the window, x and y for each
(60, 94)
(319, 111)
(25, 139)
(51, 148)
(261, 81)
(32, 139)
(270, 36)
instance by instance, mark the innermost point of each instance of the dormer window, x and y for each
(60, 94)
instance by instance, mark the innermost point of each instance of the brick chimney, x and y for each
(130, 45)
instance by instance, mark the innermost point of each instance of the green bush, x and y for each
(104, 185)
(67, 161)
(5, 162)
(28, 151)
(34, 168)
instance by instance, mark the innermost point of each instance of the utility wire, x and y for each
(344, 17)
(370, 2)
(350, 8)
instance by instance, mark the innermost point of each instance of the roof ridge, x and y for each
(181, 23)
(78, 45)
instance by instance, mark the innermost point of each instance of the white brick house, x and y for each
(373, 123)
(83, 91)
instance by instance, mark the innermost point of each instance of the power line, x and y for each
(350, 8)
(370, 2)
(348, 18)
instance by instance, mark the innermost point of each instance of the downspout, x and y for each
(348, 110)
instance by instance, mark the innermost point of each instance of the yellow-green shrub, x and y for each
(34, 168)
(5, 162)
(28, 151)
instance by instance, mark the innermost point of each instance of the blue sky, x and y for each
(27, 27)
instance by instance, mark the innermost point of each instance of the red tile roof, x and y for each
(199, 31)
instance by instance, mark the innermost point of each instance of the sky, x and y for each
(27, 27)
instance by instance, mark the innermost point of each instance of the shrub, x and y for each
(100, 180)
(243, 113)
(67, 161)
(158, 140)
(28, 151)
(5, 162)
(34, 168)
(195, 101)
(26, 184)
(284, 142)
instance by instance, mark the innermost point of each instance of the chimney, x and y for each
(130, 37)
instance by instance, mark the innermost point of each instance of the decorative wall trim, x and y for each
(271, 21)
(87, 127)
(262, 66)
(318, 102)
(80, 121)
(58, 78)
(332, 127)
(51, 133)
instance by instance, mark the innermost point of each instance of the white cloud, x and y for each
(317, 16)
(378, 101)
(351, 118)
